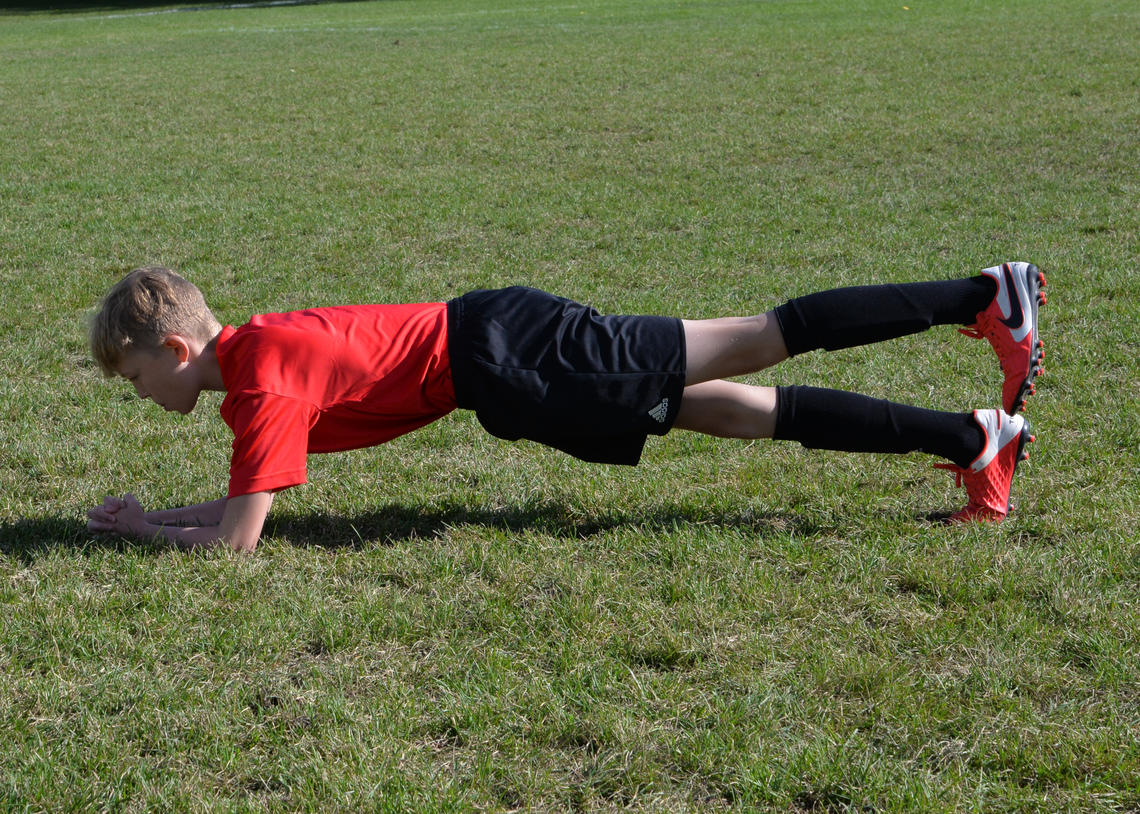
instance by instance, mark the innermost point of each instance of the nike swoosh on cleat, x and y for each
(1016, 319)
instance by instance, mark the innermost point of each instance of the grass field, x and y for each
(452, 623)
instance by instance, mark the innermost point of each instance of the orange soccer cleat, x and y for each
(988, 478)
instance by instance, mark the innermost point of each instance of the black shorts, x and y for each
(535, 366)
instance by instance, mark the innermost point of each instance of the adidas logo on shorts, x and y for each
(660, 412)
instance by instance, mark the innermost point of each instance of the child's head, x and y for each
(142, 310)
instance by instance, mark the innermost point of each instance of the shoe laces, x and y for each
(986, 327)
(974, 508)
(959, 473)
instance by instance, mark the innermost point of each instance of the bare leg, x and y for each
(731, 346)
(728, 410)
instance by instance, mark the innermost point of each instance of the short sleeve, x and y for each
(270, 441)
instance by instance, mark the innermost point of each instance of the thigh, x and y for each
(728, 410)
(732, 346)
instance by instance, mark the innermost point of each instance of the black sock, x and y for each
(834, 419)
(846, 317)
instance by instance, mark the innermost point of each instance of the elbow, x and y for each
(242, 520)
(242, 544)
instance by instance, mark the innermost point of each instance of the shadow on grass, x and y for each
(396, 523)
(73, 6)
(29, 538)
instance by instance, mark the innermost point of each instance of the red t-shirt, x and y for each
(328, 379)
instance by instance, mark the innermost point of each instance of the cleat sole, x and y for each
(1035, 279)
(1027, 438)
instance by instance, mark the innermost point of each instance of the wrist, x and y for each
(145, 530)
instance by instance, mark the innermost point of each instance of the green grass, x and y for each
(451, 623)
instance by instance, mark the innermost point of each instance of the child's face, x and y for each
(163, 376)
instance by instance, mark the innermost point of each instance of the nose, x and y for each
(142, 394)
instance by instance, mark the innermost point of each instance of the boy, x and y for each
(536, 366)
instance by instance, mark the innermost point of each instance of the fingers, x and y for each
(105, 516)
(100, 519)
(112, 504)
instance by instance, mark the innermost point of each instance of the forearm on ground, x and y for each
(187, 538)
(197, 515)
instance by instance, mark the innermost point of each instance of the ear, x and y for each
(179, 345)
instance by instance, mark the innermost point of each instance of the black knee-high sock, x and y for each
(834, 419)
(846, 317)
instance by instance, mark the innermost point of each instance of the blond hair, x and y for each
(144, 308)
